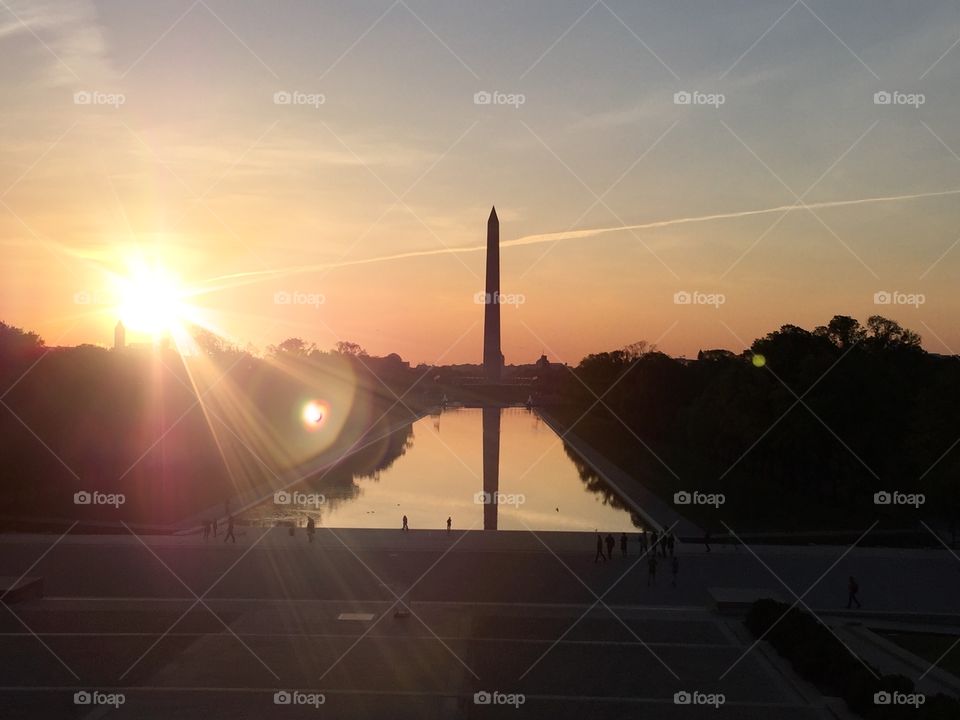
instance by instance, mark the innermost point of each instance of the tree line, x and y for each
(801, 429)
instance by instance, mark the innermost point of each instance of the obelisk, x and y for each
(490, 417)
(492, 357)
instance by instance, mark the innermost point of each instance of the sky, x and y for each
(325, 170)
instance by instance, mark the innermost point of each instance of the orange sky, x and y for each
(177, 153)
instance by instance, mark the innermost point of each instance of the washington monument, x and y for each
(492, 357)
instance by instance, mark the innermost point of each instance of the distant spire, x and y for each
(492, 357)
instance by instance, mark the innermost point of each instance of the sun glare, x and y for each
(314, 413)
(151, 300)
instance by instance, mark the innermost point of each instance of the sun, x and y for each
(151, 299)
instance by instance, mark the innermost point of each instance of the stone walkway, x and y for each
(186, 627)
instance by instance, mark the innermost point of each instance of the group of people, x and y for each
(663, 543)
(651, 545)
(211, 526)
(311, 529)
(405, 526)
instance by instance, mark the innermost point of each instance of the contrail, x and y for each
(258, 275)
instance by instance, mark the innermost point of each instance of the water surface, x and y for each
(449, 465)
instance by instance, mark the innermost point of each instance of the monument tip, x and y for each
(493, 212)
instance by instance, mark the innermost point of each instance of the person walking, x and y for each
(311, 529)
(214, 527)
(671, 539)
(852, 589)
(599, 557)
(405, 527)
(675, 568)
(229, 535)
(643, 541)
(610, 543)
(653, 541)
(652, 569)
(623, 544)
(449, 524)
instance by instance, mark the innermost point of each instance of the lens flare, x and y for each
(314, 414)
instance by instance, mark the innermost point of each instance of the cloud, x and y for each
(657, 103)
(242, 278)
(68, 43)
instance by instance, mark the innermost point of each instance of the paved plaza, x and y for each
(186, 628)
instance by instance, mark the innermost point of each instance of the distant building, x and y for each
(543, 363)
(119, 336)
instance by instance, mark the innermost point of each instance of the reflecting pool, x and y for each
(487, 468)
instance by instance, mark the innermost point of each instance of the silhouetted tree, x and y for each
(843, 331)
(291, 347)
(805, 437)
(888, 335)
(344, 347)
